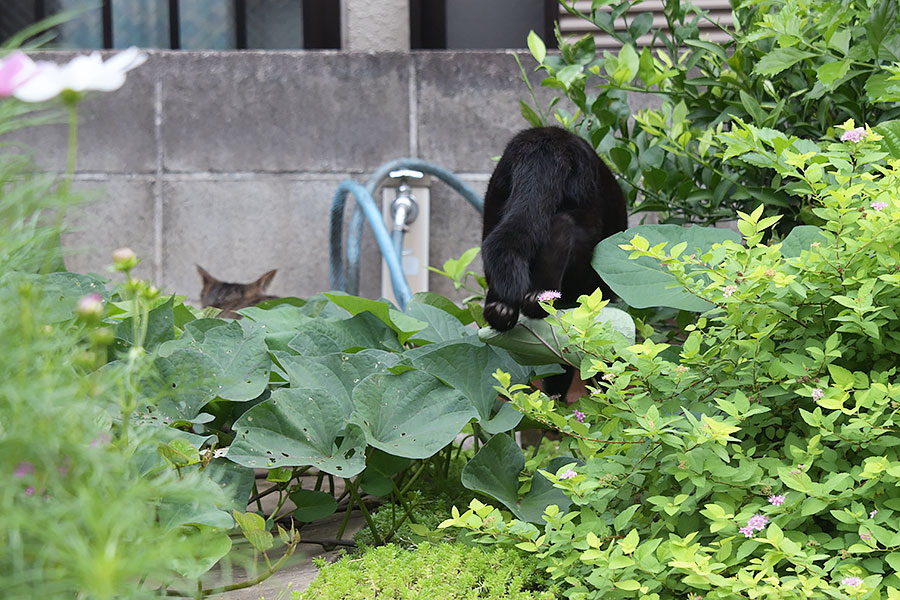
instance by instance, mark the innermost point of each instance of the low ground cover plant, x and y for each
(431, 571)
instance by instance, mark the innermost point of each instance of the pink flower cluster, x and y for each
(579, 416)
(851, 581)
(568, 474)
(879, 206)
(776, 500)
(854, 135)
(756, 523)
(548, 295)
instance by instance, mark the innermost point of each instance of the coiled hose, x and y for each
(367, 208)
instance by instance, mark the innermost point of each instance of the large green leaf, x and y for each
(442, 326)
(209, 546)
(298, 427)
(495, 469)
(317, 337)
(312, 505)
(411, 414)
(235, 479)
(403, 324)
(338, 374)
(160, 329)
(59, 291)
(890, 133)
(799, 239)
(238, 351)
(539, 342)
(643, 282)
(543, 493)
(469, 368)
(182, 383)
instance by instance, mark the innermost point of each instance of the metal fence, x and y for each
(183, 24)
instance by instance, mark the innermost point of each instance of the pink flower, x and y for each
(15, 70)
(776, 500)
(29, 491)
(548, 295)
(879, 206)
(873, 513)
(23, 469)
(818, 394)
(865, 535)
(851, 581)
(758, 522)
(568, 474)
(854, 135)
(579, 416)
(747, 531)
(729, 290)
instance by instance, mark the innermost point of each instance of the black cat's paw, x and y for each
(501, 316)
(530, 306)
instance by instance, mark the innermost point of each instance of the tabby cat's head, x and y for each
(233, 296)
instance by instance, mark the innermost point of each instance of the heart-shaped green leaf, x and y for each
(452, 362)
(336, 373)
(411, 414)
(643, 282)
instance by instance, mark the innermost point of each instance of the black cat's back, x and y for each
(550, 200)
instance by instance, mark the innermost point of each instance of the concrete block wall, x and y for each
(230, 159)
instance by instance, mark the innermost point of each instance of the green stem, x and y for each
(73, 143)
(351, 485)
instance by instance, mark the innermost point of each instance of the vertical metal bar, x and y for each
(174, 25)
(107, 24)
(240, 24)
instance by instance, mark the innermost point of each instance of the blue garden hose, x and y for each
(367, 208)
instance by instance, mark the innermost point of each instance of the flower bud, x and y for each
(124, 259)
(90, 307)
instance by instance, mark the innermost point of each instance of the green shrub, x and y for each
(756, 456)
(798, 67)
(445, 571)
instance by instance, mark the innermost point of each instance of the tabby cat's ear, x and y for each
(263, 282)
(207, 278)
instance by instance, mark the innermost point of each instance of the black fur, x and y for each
(550, 200)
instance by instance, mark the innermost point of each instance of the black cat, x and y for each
(550, 200)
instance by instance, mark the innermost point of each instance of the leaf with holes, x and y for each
(411, 414)
(298, 427)
(181, 384)
(336, 373)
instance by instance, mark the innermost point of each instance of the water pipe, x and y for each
(365, 208)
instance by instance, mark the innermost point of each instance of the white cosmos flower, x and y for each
(83, 73)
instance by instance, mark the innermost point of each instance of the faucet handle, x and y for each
(404, 173)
